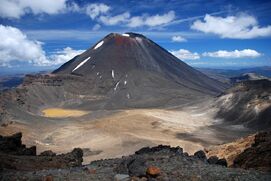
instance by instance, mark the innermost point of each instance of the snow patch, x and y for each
(125, 82)
(98, 45)
(113, 74)
(100, 76)
(125, 34)
(98, 73)
(115, 88)
(128, 96)
(138, 39)
(80, 64)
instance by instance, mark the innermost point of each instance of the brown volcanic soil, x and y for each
(230, 151)
(110, 134)
(253, 151)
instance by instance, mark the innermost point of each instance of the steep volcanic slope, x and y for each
(132, 58)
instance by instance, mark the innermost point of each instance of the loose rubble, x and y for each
(160, 163)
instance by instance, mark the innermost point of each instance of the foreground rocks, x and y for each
(159, 163)
(13, 145)
(14, 155)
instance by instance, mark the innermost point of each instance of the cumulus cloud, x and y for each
(151, 21)
(15, 46)
(114, 20)
(185, 54)
(96, 9)
(137, 21)
(246, 53)
(18, 8)
(178, 38)
(64, 55)
(242, 26)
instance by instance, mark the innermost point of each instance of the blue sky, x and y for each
(38, 34)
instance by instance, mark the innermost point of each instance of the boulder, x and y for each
(48, 153)
(212, 160)
(13, 145)
(153, 171)
(201, 155)
(137, 167)
(222, 162)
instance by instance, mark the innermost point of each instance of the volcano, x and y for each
(131, 69)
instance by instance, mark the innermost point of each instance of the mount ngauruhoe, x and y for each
(131, 70)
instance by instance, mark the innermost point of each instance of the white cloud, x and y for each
(96, 27)
(242, 26)
(246, 53)
(178, 38)
(96, 9)
(114, 20)
(151, 21)
(18, 8)
(136, 21)
(185, 54)
(15, 46)
(64, 55)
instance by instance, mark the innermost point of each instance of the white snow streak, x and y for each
(80, 64)
(115, 88)
(139, 39)
(125, 34)
(98, 73)
(125, 82)
(113, 74)
(98, 45)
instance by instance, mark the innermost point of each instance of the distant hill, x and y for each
(247, 77)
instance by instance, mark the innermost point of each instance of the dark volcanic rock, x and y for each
(48, 153)
(14, 155)
(159, 148)
(201, 155)
(13, 145)
(168, 165)
(222, 162)
(137, 167)
(212, 160)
